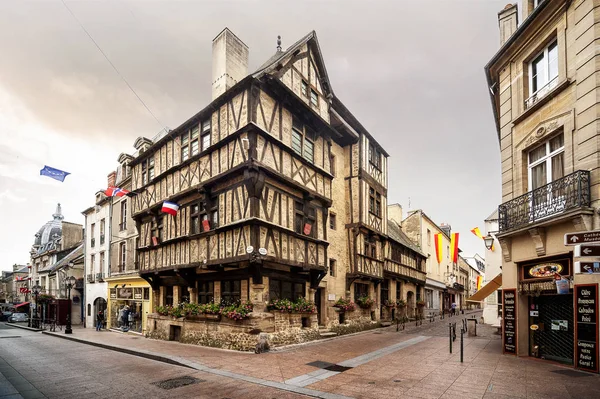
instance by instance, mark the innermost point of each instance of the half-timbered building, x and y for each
(281, 191)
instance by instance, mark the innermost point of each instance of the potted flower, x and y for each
(365, 302)
(344, 305)
(280, 305)
(420, 303)
(389, 304)
(400, 303)
(162, 310)
(304, 306)
(237, 312)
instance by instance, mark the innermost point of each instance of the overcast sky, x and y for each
(410, 71)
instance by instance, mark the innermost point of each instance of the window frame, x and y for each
(370, 247)
(148, 170)
(375, 202)
(547, 158)
(157, 228)
(375, 156)
(123, 223)
(293, 285)
(332, 267)
(360, 290)
(305, 213)
(332, 221)
(545, 55)
(191, 136)
(234, 296)
(304, 88)
(314, 98)
(206, 210)
(122, 256)
(206, 292)
(307, 137)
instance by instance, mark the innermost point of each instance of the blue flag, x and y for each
(56, 174)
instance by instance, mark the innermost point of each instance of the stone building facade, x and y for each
(544, 88)
(281, 194)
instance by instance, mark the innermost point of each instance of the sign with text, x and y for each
(582, 237)
(586, 250)
(509, 321)
(587, 267)
(545, 270)
(586, 329)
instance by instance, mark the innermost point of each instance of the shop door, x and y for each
(554, 337)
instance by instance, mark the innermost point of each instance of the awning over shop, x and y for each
(487, 289)
(22, 304)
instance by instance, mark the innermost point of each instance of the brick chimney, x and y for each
(229, 62)
(508, 20)
(112, 178)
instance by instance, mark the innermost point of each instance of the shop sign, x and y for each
(113, 294)
(137, 296)
(546, 270)
(509, 321)
(582, 237)
(586, 331)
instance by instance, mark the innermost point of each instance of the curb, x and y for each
(23, 327)
(116, 348)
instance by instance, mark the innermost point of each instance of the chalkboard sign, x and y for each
(509, 321)
(586, 331)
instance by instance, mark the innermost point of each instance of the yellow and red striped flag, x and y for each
(479, 281)
(476, 231)
(438, 247)
(454, 247)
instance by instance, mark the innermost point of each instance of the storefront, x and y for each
(129, 302)
(546, 288)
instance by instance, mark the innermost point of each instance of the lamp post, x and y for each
(35, 290)
(69, 283)
(488, 241)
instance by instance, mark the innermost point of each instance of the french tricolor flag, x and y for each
(170, 208)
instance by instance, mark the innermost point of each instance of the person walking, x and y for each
(453, 308)
(99, 320)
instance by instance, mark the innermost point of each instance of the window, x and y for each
(396, 254)
(202, 218)
(101, 265)
(304, 220)
(123, 224)
(332, 265)
(304, 88)
(189, 143)
(102, 227)
(374, 202)
(147, 170)
(206, 292)
(332, 221)
(279, 289)
(205, 139)
(122, 256)
(398, 290)
(546, 162)
(303, 139)
(428, 237)
(543, 73)
(157, 229)
(169, 296)
(374, 156)
(332, 167)
(314, 98)
(92, 234)
(360, 290)
(385, 291)
(370, 247)
(92, 264)
(231, 291)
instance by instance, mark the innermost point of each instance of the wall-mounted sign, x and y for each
(331, 297)
(534, 327)
(509, 321)
(586, 250)
(586, 329)
(587, 267)
(545, 270)
(582, 237)
(534, 313)
(560, 325)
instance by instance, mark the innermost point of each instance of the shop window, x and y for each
(279, 289)
(231, 291)
(206, 292)
(169, 296)
(360, 290)
(146, 294)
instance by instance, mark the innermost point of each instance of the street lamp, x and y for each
(69, 283)
(35, 290)
(489, 241)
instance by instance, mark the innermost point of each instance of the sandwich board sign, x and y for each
(583, 237)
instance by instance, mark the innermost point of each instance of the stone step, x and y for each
(386, 323)
(327, 334)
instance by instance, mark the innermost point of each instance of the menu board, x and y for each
(509, 321)
(586, 331)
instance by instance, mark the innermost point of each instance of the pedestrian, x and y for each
(125, 319)
(99, 320)
(453, 308)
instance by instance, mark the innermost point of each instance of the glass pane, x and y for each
(552, 61)
(297, 125)
(206, 126)
(195, 225)
(558, 167)
(195, 132)
(538, 176)
(538, 73)
(557, 142)
(185, 153)
(286, 290)
(194, 147)
(184, 139)
(274, 289)
(537, 153)
(205, 141)
(296, 142)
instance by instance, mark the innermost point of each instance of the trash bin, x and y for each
(472, 327)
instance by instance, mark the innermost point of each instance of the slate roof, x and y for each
(70, 257)
(396, 234)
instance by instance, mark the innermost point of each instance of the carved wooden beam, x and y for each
(538, 235)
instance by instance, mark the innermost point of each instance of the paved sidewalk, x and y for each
(382, 363)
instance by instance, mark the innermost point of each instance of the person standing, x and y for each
(99, 320)
(453, 308)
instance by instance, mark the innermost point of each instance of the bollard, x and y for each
(450, 333)
(454, 331)
(397, 324)
(461, 345)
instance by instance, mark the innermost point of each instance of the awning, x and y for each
(21, 304)
(487, 289)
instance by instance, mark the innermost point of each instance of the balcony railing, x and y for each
(397, 268)
(569, 192)
(101, 239)
(541, 93)
(100, 277)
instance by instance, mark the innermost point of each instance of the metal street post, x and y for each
(461, 345)
(70, 283)
(450, 335)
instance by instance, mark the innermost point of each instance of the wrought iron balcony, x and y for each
(567, 193)
(541, 93)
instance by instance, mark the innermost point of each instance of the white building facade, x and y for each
(492, 308)
(97, 257)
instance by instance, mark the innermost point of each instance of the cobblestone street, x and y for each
(414, 363)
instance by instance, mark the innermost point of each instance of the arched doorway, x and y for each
(99, 305)
(410, 303)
